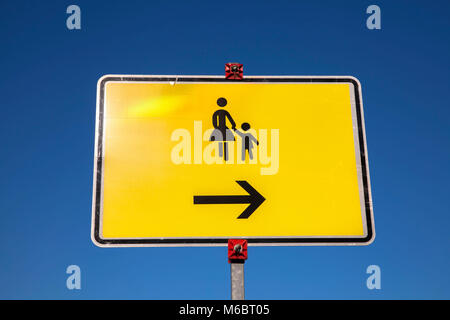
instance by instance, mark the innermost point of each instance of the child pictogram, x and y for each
(247, 141)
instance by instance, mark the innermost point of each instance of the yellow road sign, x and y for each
(196, 160)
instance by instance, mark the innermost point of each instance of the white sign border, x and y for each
(362, 167)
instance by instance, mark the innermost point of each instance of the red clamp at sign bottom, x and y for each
(237, 250)
(234, 71)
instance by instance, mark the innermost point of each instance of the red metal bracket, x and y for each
(237, 250)
(234, 71)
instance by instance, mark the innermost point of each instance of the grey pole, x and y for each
(237, 281)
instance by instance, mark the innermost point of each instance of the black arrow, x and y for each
(254, 198)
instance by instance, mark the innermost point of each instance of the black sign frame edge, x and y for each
(95, 235)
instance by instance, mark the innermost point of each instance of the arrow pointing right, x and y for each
(254, 198)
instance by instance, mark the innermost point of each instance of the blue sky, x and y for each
(48, 89)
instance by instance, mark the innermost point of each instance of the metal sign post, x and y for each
(237, 281)
(237, 249)
(237, 254)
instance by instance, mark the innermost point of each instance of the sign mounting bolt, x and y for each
(234, 71)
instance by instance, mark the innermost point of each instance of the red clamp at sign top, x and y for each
(237, 250)
(234, 71)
